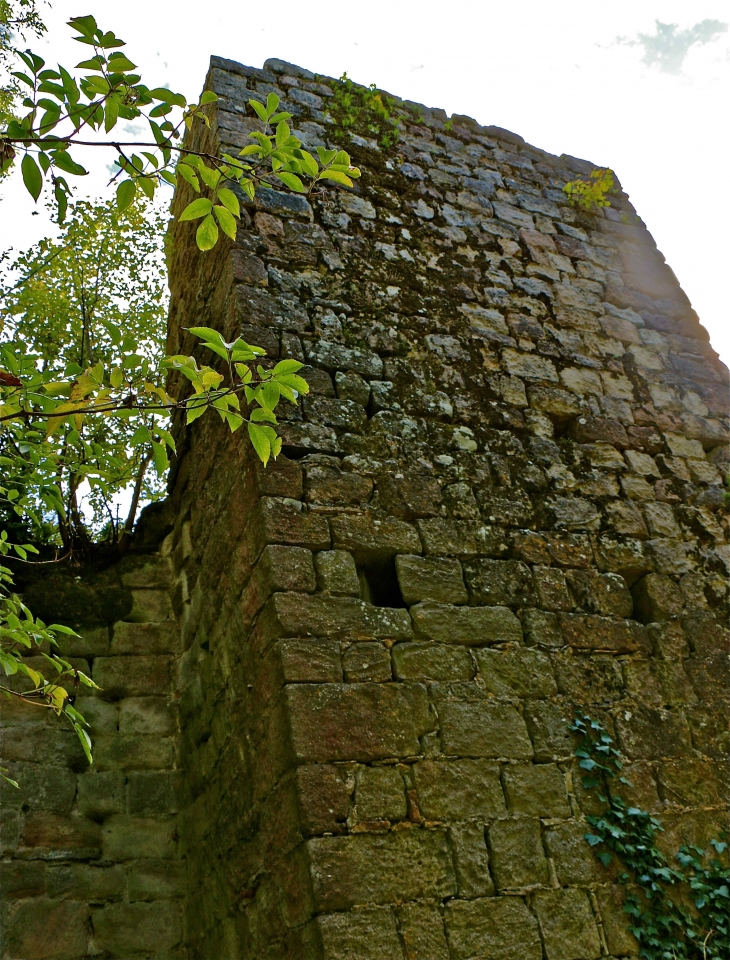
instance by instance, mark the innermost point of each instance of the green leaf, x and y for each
(208, 97)
(126, 192)
(65, 162)
(209, 176)
(260, 441)
(292, 181)
(282, 133)
(226, 220)
(272, 102)
(32, 177)
(120, 64)
(159, 454)
(197, 209)
(287, 366)
(309, 164)
(229, 200)
(259, 109)
(206, 235)
(336, 176)
(194, 410)
(208, 334)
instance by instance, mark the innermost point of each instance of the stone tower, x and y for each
(336, 700)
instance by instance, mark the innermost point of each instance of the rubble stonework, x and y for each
(502, 500)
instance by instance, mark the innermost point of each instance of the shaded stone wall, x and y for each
(502, 500)
(89, 855)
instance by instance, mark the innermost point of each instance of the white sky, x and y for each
(550, 71)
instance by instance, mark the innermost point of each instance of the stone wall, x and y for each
(502, 500)
(89, 855)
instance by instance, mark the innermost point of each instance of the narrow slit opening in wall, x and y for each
(379, 583)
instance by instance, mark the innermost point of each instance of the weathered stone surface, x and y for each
(458, 789)
(471, 626)
(567, 925)
(516, 854)
(478, 729)
(432, 661)
(380, 868)
(515, 427)
(497, 927)
(428, 578)
(357, 721)
(517, 672)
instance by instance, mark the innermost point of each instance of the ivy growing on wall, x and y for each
(677, 912)
(364, 110)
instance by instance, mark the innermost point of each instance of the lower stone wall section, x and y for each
(90, 864)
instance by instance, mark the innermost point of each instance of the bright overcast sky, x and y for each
(604, 82)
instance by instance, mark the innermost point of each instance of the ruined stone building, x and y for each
(336, 692)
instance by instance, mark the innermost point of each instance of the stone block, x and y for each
(409, 496)
(357, 721)
(309, 661)
(154, 929)
(479, 729)
(422, 930)
(324, 798)
(498, 582)
(370, 934)
(589, 678)
(41, 929)
(660, 520)
(501, 928)
(458, 789)
(52, 836)
(145, 639)
(602, 593)
(536, 790)
(602, 634)
(566, 845)
(460, 538)
(517, 672)
(599, 430)
(22, 879)
(287, 568)
(157, 880)
(352, 387)
(471, 860)
(516, 854)
(380, 794)
(366, 661)
(131, 676)
(682, 446)
(100, 795)
(621, 942)
(410, 864)
(154, 793)
(626, 519)
(283, 521)
(150, 606)
(626, 556)
(41, 787)
(430, 578)
(147, 715)
(551, 589)
(337, 573)
(693, 783)
(85, 881)
(132, 838)
(707, 637)
(542, 629)
(567, 924)
(648, 734)
(301, 615)
(548, 724)
(656, 598)
(133, 752)
(573, 513)
(368, 537)
(471, 626)
(672, 557)
(432, 661)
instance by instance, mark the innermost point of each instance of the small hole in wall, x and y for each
(379, 583)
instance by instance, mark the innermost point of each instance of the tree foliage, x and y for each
(83, 398)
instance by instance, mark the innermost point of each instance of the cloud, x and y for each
(669, 46)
